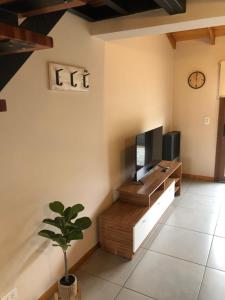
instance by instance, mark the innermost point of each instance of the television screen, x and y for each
(148, 151)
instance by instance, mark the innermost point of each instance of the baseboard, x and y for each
(198, 177)
(73, 269)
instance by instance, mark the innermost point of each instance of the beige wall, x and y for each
(70, 146)
(139, 93)
(52, 148)
(190, 106)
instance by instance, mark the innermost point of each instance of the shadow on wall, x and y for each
(121, 154)
(27, 249)
(128, 159)
(23, 253)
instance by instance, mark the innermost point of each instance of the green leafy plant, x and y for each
(69, 227)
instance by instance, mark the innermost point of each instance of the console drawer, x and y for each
(151, 217)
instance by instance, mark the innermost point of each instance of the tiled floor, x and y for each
(182, 259)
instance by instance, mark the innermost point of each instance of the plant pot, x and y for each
(67, 287)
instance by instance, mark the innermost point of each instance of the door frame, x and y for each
(220, 159)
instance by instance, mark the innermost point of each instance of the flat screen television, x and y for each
(148, 151)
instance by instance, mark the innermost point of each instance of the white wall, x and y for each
(190, 106)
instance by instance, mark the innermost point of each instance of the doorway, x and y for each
(220, 150)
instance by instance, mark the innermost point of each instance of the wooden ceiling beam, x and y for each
(210, 33)
(172, 7)
(6, 1)
(219, 31)
(53, 8)
(212, 37)
(193, 34)
(114, 6)
(172, 40)
(18, 40)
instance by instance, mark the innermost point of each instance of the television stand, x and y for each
(164, 169)
(138, 182)
(124, 226)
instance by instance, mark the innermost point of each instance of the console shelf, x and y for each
(144, 193)
(125, 225)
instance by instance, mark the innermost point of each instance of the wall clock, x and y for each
(196, 80)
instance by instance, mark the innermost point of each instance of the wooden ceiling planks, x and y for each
(209, 34)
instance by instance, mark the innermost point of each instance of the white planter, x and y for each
(68, 291)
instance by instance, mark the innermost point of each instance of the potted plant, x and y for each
(70, 228)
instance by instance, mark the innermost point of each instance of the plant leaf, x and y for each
(61, 240)
(72, 227)
(83, 223)
(57, 207)
(75, 235)
(77, 208)
(71, 212)
(51, 222)
(47, 234)
(60, 221)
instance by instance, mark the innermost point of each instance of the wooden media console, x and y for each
(124, 226)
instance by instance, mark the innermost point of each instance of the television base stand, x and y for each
(126, 224)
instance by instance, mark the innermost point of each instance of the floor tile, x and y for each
(151, 237)
(205, 203)
(126, 294)
(112, 267)
(166, 278)
(185, 185)
(217, 257)
(93, 288)
(213, 287)
(207, 188)
(190, 219)
(220, 227)
(182, 243)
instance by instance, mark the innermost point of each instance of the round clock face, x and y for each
(196, 80)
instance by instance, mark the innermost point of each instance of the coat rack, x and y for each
(3, 106)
